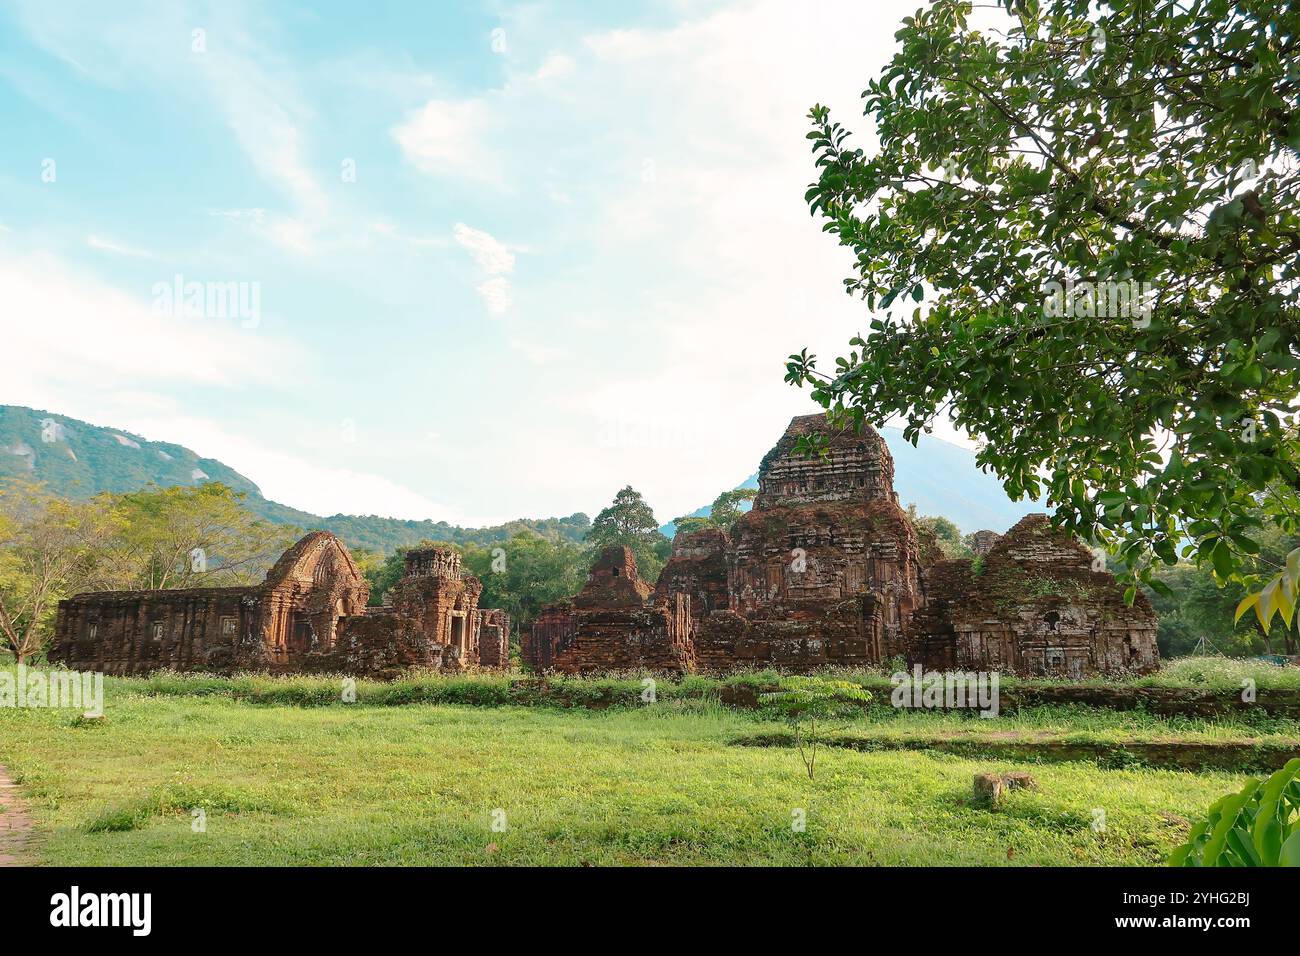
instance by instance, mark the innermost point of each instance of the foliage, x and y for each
(1216, 673)
(630, 521)
(1260, 826)
(723, 513)
(805, 700)
(519, 576)
(49, 549)
(726, 507)
(526, 573)
(946, 533)
(192, 537)
(688, 523)
(1154, 144)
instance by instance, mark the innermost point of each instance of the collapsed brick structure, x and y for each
(308, 614)
(1032, 604)
(617, 622)
(827, 568)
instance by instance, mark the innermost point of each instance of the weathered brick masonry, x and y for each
(1032, 604)
(827, 568)
(616, 623)
(309, 614)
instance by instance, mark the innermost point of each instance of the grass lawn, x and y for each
(661, 784)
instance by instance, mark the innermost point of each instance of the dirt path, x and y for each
(17, 835)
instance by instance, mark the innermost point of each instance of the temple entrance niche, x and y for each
(458, 634)
(301, 634)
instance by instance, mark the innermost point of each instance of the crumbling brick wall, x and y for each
(308, 614)
(697, 568)
(615, 623)
(294, 612)
(494, 638)
(1032, 605)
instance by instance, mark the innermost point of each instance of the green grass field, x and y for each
(421, 783)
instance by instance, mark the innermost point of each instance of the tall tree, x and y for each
(194, 537)
(726, 510)
(1094, 220)
(49, 549)
(723, 513)
(630, 521)
(946, 533)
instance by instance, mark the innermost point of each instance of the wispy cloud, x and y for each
(117, 248)
(495, 259)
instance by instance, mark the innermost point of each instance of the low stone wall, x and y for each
(1166, 755)
(1160, 701)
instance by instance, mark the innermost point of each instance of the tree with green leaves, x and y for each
(523, 574)
(184, 537)
(726, 511)
(723, 513)
(1094, 220)
(519, 575)
(630, 521)
(803, 701)
(49, 550)
(1258, 826)
(946, 533)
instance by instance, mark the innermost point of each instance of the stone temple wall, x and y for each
(1032, 605)
(295, 612)
(308, 614)
(824, 569)
(828, 569)
(494, 638)
(615, 623)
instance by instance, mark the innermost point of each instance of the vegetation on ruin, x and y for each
(1150, 142)
(51, 548)
(630, 521)
(722, 514)
(659, 783)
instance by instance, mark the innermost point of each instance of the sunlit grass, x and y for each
(419, 784)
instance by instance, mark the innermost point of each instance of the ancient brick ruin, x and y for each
(618, 622)
(309, 614)
(1032, 604)
(827, 568)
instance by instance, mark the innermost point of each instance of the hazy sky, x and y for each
(498, 260)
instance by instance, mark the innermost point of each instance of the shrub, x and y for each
(803, 700)
(1260, 826)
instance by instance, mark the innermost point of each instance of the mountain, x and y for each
(941, 479)
(75, 459)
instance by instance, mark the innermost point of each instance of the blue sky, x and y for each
(507, 257)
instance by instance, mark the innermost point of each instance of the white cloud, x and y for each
(496, 295)
(492, 255)
(118, 248)
(446, 137)
(63, 327)
(237, 75)
(307, 483)
(682, 157)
